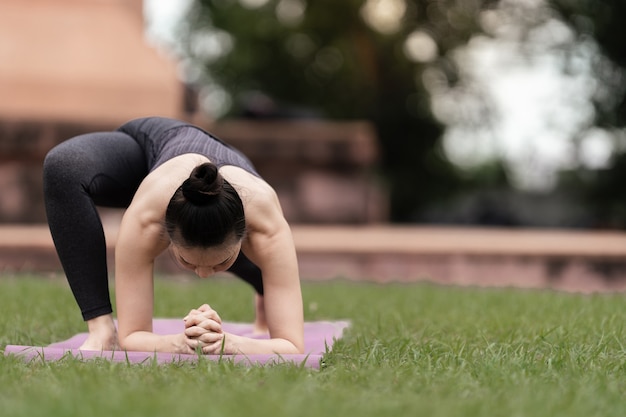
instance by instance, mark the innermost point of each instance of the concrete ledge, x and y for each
(467, 241)
(564, 260)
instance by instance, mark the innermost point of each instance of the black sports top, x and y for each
(163, 139)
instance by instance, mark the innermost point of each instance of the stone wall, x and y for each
(324, 172)
(23, 146)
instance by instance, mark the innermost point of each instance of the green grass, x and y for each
(412, 350)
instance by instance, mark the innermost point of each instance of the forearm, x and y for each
(235, 344)
(150, 342)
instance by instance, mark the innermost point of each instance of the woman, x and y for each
(184, 190)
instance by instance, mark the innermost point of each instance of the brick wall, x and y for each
(323, 172)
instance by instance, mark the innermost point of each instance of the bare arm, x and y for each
(274, 252)
(136, 248)
(270, 246)
(140, 240)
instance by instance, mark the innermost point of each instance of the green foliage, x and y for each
(607, 196)
(413, 349)
(603, 22)
(600, 19)
(331, 61)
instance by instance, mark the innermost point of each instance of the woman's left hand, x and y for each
(203, 329)
(205, 310)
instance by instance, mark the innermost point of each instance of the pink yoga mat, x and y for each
(319, 337)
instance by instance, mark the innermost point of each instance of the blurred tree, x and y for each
(348, 59)
(383, 60)
(602, 22)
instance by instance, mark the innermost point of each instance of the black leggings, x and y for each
(98, 169)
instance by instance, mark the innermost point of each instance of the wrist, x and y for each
(232, 344)
(178, 344)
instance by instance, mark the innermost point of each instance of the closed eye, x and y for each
(226, 261)
(189, 265)
(184, 263)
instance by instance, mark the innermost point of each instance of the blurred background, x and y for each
(468, 112)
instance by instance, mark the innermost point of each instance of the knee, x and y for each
(53, 165)
(60, 168)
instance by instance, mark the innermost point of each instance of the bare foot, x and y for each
(98, 343)
(102, 334)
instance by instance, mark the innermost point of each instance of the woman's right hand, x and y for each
(203, 329)
(181, 344)
(204, 310)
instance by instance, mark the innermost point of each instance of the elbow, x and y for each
(285, 346)
(298, 347)
(124, 342)
(290, 349)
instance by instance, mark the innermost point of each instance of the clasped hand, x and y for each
(203, 330)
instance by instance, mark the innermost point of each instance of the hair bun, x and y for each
(203, 185)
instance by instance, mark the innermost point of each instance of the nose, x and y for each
(204, 272)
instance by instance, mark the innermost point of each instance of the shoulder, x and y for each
(142, 231)
(151, 199)
(259, 199)
(250, 187)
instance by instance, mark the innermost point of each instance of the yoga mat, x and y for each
(318, 336)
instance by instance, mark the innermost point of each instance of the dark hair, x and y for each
(205, 210)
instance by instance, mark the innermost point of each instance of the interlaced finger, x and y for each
(208, 314)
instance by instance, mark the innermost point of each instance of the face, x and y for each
(206, 261)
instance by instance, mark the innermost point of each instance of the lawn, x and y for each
(412, 350)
